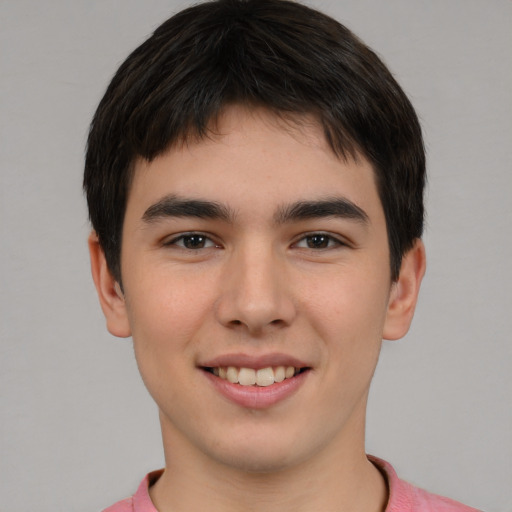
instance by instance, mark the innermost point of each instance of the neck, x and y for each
(339, 478)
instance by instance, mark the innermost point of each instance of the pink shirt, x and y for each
(403, 497)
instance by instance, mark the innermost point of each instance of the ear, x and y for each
(404, 293)
(109, 292)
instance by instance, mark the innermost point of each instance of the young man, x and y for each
(255, 179)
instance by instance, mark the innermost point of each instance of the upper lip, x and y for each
(242, 360)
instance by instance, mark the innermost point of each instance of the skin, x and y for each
(258, 284)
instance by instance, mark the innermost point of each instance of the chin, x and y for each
(257, 455)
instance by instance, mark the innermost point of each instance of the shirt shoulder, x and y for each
(140, 501)
(125, 505)
(428, 502)
(404, 497)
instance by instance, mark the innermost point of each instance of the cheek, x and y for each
(347, 301)
(166, 312)
(166, 319)
(348, 314)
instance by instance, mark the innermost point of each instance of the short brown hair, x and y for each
(275, 54)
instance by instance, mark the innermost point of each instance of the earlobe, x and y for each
(110, 295)
(404, 293)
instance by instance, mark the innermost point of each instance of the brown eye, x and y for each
(318, 241)
(193, 241)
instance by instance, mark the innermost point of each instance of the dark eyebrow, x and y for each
(174, 206)
(330, 207)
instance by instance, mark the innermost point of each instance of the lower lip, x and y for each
(257, 397)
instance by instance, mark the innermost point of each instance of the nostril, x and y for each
(276, 322)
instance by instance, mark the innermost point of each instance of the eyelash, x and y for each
(321, 237)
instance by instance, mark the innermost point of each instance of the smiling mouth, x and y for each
(262, 377)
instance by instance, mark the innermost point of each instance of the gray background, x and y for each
(78, 430)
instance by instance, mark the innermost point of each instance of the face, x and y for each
(256, 286)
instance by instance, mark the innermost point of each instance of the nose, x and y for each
(256, 294)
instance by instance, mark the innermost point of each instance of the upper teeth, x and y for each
(251, 377)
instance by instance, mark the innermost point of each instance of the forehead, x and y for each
(256, 156)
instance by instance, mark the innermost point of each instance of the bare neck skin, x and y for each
(337, 479)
